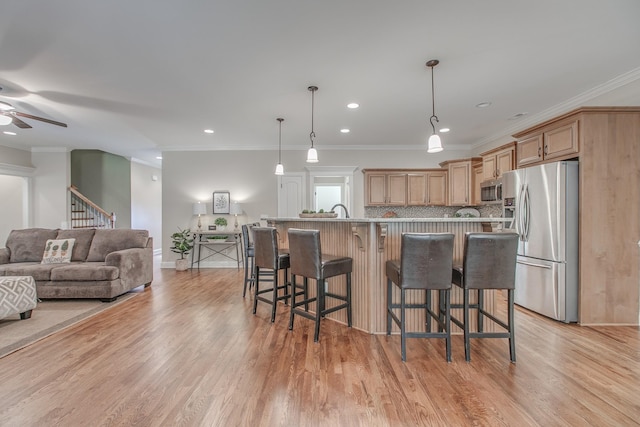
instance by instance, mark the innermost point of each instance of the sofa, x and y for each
(80, 263)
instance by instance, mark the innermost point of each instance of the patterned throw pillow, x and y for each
(57, 251)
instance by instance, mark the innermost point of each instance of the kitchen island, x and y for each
(371, 242)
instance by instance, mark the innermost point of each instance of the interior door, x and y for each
(290, 195)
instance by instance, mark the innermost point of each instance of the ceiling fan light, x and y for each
(279, 169)
(6, 106)
(434, 145)
(5, 120)
(312, 155)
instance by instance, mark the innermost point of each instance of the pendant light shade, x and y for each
(434, 144)
(312, 154)
(279, 167)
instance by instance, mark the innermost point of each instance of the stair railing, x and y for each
(86, 214)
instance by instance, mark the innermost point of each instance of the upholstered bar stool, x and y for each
(308, 261)
(489, 263)
(247, 247)
(270, 258)
(425, 263)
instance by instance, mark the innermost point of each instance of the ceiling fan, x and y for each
(8, 115)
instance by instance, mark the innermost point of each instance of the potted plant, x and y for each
(221, 223)
(182, 244)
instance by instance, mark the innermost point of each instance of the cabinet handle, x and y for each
(538, 151)
(546, 149)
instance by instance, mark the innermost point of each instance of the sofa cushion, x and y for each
(87, 271)
(28, 245)
(111, 240)
(83, 237)
(34, 269)
(58, 251)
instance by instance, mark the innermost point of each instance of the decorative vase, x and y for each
(182, 264)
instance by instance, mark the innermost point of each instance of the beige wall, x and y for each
(146, 201)
(189, 177)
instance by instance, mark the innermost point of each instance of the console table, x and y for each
(216, 246)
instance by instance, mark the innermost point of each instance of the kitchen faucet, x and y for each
(346, 212)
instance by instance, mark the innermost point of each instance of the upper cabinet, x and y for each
(385, 188)
(461, 181)
(498, 161)
(478, 177)
(555, 141)
(396, 187)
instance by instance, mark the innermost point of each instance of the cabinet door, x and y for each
(437, 188)
(489, 167)
(397, 189)
(561, 141)
(376, 193)
(530, 150)
(478, 177)
(459, 184)
(417, 189)
(504, 162)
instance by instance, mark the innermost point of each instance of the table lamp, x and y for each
(199, 209)
(235, 209)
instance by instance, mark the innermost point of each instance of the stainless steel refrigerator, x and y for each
(543, 202)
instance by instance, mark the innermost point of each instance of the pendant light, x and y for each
(279, 167)
(312, 154)
(434, 145)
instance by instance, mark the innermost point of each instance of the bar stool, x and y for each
(489, 263)
(268, 256)
(425, 263)
(308, 261)
(247, 245)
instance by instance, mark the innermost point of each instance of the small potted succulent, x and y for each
(182, 244)
(221, 223)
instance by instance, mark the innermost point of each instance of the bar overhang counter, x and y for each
(371, 242)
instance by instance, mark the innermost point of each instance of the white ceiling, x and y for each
(136, 78)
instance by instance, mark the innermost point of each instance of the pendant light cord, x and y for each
(433, 97)
(312, 134)
(280, 141)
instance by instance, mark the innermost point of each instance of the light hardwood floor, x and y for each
(188, 352)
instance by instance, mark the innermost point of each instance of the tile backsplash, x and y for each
(429, 211)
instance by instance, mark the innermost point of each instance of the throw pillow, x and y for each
(58, 251)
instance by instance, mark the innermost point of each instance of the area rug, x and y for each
(49, 317)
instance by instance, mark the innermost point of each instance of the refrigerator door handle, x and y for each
(527, 212)
(519, 210)
(533, 264)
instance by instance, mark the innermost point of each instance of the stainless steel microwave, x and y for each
(491, 192)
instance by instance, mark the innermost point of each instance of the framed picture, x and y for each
(221, 202)
(212, 228)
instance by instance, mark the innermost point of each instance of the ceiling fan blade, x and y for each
(42, 119)
(20, 123)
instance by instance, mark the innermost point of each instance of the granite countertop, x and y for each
(391, 219)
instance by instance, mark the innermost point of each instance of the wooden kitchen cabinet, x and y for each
(606, 141)
(385, 188)
(437, 188)
(478, 177)
(497, 161)
(460, 189)
(400, 187)
(559, 141)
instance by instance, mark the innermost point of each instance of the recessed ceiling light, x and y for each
(483, 104)
(517, 116)
(208, 131)
(444, 130)
(353, 105)
(6, 132)
(345, 130)
(158, 157)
